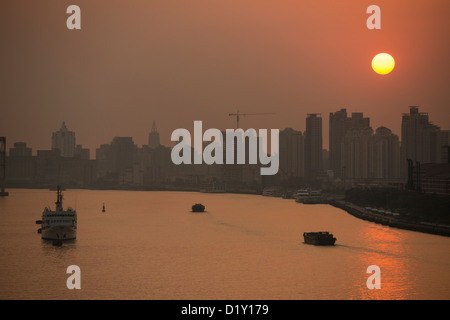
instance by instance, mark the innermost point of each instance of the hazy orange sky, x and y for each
(179, 61)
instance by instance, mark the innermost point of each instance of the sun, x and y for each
(383, 63)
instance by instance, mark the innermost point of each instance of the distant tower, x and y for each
(64, 140)
(338, 128)
(385, 154)
(340, 124)
(313, 144)
(292, 152)
(419, 138)
(153, 137)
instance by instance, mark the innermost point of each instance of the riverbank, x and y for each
(138, 188)
(401, 223)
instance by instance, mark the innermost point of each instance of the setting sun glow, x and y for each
(383, 63)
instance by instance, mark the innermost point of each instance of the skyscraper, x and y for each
(313, 144)
(444, 146)
(114, 159)
(370, 158)
(292, 153)
(339, 125)
(419, 138)
(153, 137)
(64, 141)
(356, 154)
(386, 154)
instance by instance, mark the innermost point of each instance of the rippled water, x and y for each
(148, 245)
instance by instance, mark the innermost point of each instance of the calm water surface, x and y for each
(148, 245)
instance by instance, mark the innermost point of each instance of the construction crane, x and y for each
(238, 114)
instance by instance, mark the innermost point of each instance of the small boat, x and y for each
(322, 238)
(39, 230)
(103, 210)
(198, 208)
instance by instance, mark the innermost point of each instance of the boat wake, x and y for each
(373, 250)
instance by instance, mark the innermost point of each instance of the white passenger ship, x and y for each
(59, 224)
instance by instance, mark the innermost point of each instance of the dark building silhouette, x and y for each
(81, 153)
(340, 123)
(370, 158)
(420, 139)
(64, 141)
(313, 145)
(21, 165)
(115, 159)
(356, 153)
(153, 137)
(357, 156)
(337, 130)
(386, 154)
(3, 164)
(431, 178)
(292, 151)
(325, 160)
(156, 163)
(20, 149)
(445, 154)
(443, 146)
(53, 169)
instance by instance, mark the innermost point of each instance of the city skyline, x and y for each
(359, 154)
(155, 135)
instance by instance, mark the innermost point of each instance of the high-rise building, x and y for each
(291, 151)
(357, 121)
(386, 154)
(340, 123)
(325, 160)
(123, 152)
(153, 137)
(337, 130)
(419, 139)
(370, 158)
(443, 146)
(114, 159)
(356, 153)
(64, 141)
(156, 164)
(313, 144)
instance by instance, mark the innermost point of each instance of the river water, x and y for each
(148, 245)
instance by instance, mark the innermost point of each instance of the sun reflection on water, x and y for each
(385, 249)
